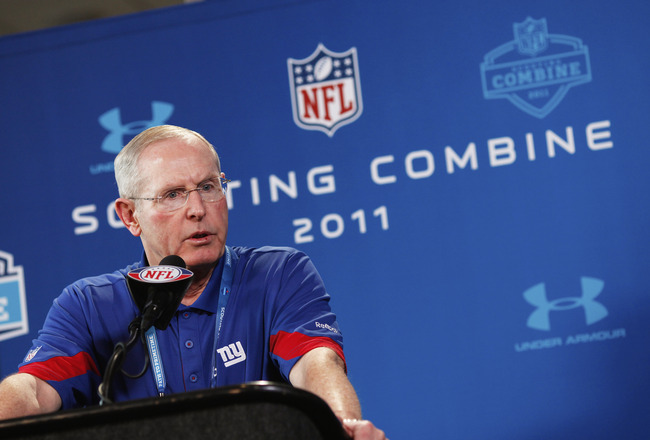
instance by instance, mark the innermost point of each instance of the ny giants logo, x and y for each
(325, 90)
(232, 354)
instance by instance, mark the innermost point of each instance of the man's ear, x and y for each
(125, 210)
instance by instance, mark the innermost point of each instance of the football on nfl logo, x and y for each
(325, 90)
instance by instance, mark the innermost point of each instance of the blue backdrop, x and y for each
(469, 177)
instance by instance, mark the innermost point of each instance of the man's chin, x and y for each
(202, 260)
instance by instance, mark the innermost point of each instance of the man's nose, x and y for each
(195, 203)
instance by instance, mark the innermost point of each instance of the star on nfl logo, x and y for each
(325, 90)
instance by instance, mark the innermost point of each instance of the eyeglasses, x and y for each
(210, 191)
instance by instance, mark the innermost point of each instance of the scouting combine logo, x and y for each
(13, 304)
(325, 90)
(535, 70)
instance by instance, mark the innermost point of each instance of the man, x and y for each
(274, 314)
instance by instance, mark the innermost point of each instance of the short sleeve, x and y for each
(62, 355)
(302, 319)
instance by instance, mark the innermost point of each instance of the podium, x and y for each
(256, 410)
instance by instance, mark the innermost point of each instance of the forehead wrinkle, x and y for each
(173, 178)
(193, 185)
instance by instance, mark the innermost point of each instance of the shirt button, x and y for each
(189, 344)
(193, 377)
(186, 315)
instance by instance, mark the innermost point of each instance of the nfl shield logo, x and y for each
(325, 90)
(536, 69)
(531, 36)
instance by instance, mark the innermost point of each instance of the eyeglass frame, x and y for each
(222, 181)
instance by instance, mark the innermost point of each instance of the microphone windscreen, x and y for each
(159, 289)
(173, 260)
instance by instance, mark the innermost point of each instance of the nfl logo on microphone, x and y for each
(325, 90)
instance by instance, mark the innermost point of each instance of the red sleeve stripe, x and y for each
(292, 345)
(61, 367)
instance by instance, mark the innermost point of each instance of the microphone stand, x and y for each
(117, 359)
(157, 305)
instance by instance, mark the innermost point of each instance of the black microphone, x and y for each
(159, 290)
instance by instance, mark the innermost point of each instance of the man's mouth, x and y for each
(199, 235)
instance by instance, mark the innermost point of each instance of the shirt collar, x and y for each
(208, 301)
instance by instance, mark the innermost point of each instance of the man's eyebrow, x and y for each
(169, 186)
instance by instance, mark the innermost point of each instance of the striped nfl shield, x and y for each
(325, 90)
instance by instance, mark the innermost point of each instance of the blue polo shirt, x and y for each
(277, 311)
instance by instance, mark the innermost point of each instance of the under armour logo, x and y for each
(112, 121)
(232, 354)
(540, 318)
